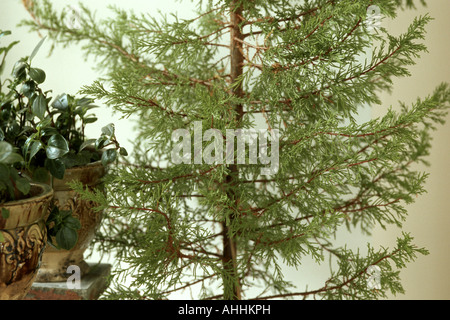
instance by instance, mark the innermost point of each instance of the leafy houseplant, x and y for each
(24, 209)
(57, 140)
(53, 144)
(222, 228)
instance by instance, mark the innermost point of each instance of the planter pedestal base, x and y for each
(55, 263)
(91, 286)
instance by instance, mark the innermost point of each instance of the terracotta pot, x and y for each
(56, 261)
(25, 237)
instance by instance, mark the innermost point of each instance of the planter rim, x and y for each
(28, 210)
(46, 190)
(88, 174)
(90, 164)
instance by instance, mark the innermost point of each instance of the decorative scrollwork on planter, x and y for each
(20, 255)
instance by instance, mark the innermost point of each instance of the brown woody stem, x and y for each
(229, 242)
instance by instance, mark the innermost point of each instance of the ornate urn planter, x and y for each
(56, 261)
(25, 237)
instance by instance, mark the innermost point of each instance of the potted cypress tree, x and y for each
(183, 216)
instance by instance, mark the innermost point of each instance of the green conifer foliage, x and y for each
(292, 67)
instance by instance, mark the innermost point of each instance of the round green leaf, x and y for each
(37, 75)
(5, 150)
(28, 88)
(23, 185)
(4, 172)
(19, 70)
(66, 238)
(39, 106)
(56, 167)
(35, 147)
(108, 130)
(7, 153)
(57, 146)
(100, 142)
(61, 102)
(109, 156)
(40, 174)
(123, 151)
(73, 223)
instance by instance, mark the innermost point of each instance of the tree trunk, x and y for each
(232, 290)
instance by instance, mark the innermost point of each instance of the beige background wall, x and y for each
(429, 217)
